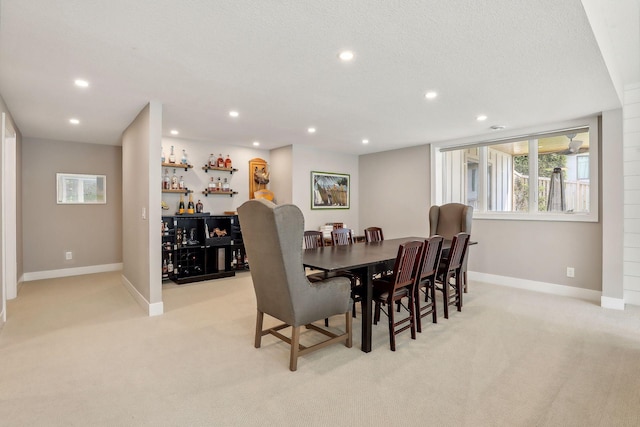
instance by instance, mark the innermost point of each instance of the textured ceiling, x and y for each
(519, 62)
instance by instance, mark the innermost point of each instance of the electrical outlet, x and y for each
(68, 255)
(571, 272)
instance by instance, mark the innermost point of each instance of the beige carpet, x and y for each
(79, 352)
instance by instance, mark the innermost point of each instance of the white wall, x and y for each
(631, 129)
(197, 179)
(281, 174)
(304, 161)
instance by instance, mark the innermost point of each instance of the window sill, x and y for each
(540, 216)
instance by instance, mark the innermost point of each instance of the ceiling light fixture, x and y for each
(346, 55)
(431, 95)
(234, 113)
(311, 130)
(81, 83)
(498, 127)
(74, 121)
(365, 141)
(481, 118)
(174, 132)
(256, 143)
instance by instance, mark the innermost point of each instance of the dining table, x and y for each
(362, 259)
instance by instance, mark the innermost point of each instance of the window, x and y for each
(539, 176)
(81, 189)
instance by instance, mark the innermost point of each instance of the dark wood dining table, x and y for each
(362, 259)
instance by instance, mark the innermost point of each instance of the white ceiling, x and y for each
(520, 62)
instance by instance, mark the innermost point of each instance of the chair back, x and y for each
(459, 246)
(272, 235)
(430, 258)
(313, 239)
(341, 236)
(405, 268)
(373, 234)
(450, 219)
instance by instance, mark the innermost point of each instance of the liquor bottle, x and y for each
(212, 161)
(212, 186)
(190, 207)
(170, 265)
(227, 162)
(165, 267)
(181, 183)
(174, 181)
(225, 185)
(219, 185)
(181, 205)
(163, 156)
(234, 261)
(172, 156)
(199, 207)
(166, 181)
(220, 161)
(184, 157)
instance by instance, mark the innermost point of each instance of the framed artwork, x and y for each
(330, 190)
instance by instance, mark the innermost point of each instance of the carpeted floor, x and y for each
(80, 352)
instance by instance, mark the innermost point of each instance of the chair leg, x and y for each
(326, 321)
(349, 327)
(376, 313)
(445, 295)
(418, 313)
(412, 316)
(295, 347)
(459, 289)
(432, 289)
(392, 335)
(258, 339)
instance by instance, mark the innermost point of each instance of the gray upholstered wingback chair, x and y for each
(272, 235)
(448, 220)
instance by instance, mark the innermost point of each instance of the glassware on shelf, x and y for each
(181, 183)
(212, 186)
(163, 156)
(225, 185)
(212, 161)
(219, 185)
(170, 265)
(227, 162)
(166, 181)
(220, 162)
(174, 181)
(184, 157)
(172, 156)
(165, 267)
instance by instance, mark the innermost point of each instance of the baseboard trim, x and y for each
(532, 285)
(153, 309)
(612, 303)
(631, 297)
(66, 272)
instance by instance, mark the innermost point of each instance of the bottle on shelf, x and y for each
(166, 181)
(199, 207)
(220, 162)
(163, 156)
(219, 185)
(174, 181)
(190, 206)
(212, 161)
(165, 267)
(172, 156)
(181, 183)
(227, 162)
(181, 205)
(212, 186)
(234, 261)
(226, 186)
(184, 157)
(170, 265)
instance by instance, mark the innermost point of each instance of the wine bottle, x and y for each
(181, 183)
(170, 265)
(174, 181)
(199, 207)
(181, 205)
(165, 267)
(220, 161)
(166, 182)
(172, 156)
(227, 162)
(190, 206)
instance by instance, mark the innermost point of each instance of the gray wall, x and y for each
(281, 178)
(91, 232)
(141, 238)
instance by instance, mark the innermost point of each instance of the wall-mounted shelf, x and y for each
(186, 191)
(229, 193)
(208, 168)
(184, 166)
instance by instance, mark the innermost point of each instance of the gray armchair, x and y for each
(272, 236)
(447, 221)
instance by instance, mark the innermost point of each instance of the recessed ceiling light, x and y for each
(431, 94)
(365, 141)
(481, 118)
(346, 55)
(311, 130)
(233, 113)
(74, 121)
(81, 83)
(498, 127)
(256, 143)
(174, 132)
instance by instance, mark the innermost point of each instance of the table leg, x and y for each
(367, 319)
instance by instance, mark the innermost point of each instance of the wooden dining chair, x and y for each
(391, 289)
(313, 239)
(449, 275)
(341, 236)
(373, 234)
(426, 280)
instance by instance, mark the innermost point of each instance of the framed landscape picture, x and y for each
(330, 190)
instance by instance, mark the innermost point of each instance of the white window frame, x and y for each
(531, 134)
